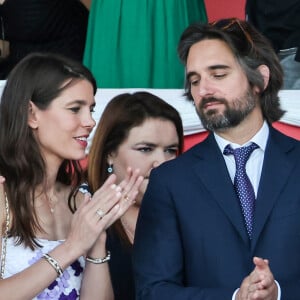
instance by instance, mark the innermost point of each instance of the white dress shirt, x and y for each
(255, 161)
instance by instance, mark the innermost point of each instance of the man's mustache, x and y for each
(208, 100)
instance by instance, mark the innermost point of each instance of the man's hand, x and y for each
(260, 284)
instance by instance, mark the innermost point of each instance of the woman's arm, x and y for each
(86, 236)
(96, 282)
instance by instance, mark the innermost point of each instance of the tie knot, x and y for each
(242, 154)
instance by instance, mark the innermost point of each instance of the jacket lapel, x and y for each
(275, 173)
(212, 171)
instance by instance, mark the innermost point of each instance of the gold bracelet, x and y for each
(53, 262)
(98, 260)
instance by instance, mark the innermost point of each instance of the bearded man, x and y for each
(221, 221)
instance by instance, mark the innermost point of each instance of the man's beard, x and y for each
(234, 113)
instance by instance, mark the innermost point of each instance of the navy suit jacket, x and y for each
(191, 241)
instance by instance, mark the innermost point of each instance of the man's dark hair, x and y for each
(250, 48)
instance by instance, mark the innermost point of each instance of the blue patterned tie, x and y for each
(242, 184)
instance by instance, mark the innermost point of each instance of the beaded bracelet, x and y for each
(98, 260)
(53, 262)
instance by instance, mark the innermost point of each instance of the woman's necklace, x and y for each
(52, 203)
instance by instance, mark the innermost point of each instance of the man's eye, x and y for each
(219, 76)
(194, 82)
(92, 109)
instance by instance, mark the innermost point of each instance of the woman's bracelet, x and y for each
(53, 262)
(98, 260)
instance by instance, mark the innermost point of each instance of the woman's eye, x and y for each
(172, 151)
(92, 109)
(75, 109)
(145, 149)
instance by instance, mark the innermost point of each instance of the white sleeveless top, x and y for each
(65, 287)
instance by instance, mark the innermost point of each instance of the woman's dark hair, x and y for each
(39, 78)
(250, 48)
(121, 114)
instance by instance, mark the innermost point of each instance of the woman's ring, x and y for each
(100, 213)
(126, 197)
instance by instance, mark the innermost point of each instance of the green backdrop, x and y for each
(133, 43)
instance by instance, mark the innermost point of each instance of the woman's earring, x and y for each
(110, 169)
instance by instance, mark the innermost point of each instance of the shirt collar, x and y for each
(260, 138)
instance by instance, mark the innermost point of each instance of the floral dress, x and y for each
(64, 287)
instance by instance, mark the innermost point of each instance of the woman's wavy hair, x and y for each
(39, 78)
(250, 48)
(121, 114)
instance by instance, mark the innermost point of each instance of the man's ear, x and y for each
(265, 72)
(32, 118)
